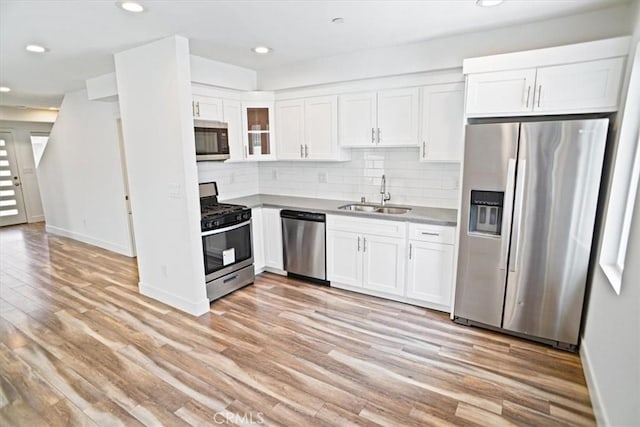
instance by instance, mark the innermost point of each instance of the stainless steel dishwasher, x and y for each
(303, 238)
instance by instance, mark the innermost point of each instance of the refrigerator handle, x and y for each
(517, 216)
(508, 210)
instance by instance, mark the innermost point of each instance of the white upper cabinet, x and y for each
(398, 117)
(586, 86)
(258, 136)
(358, 119)
(207, 108)
(500, 93)
(308, 129)
(321, 128)
(380, 119)
(442, 122)
(571, 79)
(232, 115)
(290, 126)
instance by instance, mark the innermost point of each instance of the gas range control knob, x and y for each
(216, 223)
(238, 217)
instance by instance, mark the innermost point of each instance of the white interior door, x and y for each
(125, 179)
(12, 210)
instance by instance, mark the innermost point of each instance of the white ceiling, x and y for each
(83, 35)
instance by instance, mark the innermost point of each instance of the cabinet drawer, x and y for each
(376, 227)
(432, 233)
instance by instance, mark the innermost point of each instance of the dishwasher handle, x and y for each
(303, 216)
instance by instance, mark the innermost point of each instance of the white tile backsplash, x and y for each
(408, 180)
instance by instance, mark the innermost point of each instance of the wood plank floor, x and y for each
(80, 346)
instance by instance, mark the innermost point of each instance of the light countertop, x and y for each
(420, 214)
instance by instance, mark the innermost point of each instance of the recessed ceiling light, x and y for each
(261, 50)
(36, 48)
(5, 89)
(131, 6)
(338, 20)
(488, 3)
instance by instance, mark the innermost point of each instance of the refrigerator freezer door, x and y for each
(559, 169)
(489, 165)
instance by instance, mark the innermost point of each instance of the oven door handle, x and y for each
(222, 230)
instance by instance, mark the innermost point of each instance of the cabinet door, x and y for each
(272, 238)
(232, 115)
(430, 273)
(258, 136)
(207, 108)
(504, 93)
(321, 128)
(357, 119)
(442, 122)
(578, 88)
(398, 117)
(384, 262)
(257, 239)
(290, 124)
(344, 257)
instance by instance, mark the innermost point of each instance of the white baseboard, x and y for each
(35, 218)
(114, 247)
(195, 308)
(275, 271)
(596, 400)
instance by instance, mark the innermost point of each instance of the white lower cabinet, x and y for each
(257, 230)
(272, 232)
(384, 262)
(375, 257)
(366, 254)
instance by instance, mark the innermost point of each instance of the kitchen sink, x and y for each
(362, 207)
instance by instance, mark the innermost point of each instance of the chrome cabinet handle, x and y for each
(198, 107)
(410, 247)
(358, 243)
(364, 244)
(301, 151)
(424, 149)
(378, 136)
(373, 136)
(528, 95)
(306, 150)
(430, 233)
(539, 94)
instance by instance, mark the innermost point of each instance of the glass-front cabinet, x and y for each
(259, 143)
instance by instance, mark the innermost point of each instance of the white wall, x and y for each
(80, 175)
(408, 180)
(21, 132)
(154, 88)
(448, 52)
(611, 339)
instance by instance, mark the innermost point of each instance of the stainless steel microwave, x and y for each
(212, 140)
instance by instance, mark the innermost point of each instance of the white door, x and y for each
(505, 93)
(575, 88)
(257, 241)
(125, 181)
(357, 119)
(442, 122)
(344, 257)
(290, 125)
(321, 127)
(398, 117)
(430, 273)
(207, 108)
(272, 227)
(12, 209)
(384, 262)
(232, 115)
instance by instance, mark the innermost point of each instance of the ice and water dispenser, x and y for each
(485, 213)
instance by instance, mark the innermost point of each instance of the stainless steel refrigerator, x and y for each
(529, 200)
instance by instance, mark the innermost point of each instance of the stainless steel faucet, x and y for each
(384, 196)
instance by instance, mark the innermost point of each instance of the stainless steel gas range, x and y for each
(226, 243)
